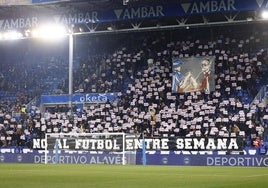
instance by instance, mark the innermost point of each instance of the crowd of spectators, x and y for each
(28, 71)
(146, 104)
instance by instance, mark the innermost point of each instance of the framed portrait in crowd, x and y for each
(193, 74)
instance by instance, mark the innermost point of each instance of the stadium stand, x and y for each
(141, 72)
(36, 69)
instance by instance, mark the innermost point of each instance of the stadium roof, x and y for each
(103, 16)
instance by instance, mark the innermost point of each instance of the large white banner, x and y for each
(150, 144)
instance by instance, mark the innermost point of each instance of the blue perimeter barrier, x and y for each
(181, 158)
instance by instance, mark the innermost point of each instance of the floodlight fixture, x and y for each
(264, 14)
(49, 32)
(11, 35)
(109, 28)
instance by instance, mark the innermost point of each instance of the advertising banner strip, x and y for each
(135, 12)
(166, 10)
(79, 98)
(152, 159)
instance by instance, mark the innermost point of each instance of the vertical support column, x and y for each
(124, 150)
(143, 151)
(56, 152)
(46, 150)
(70, 70)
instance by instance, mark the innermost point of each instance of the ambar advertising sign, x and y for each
(122, 13)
